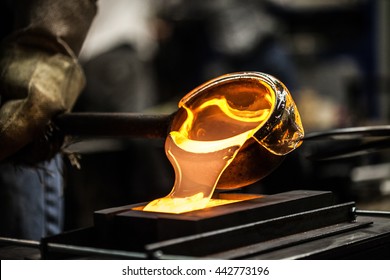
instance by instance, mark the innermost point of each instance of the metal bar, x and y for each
(131, 125)
(349, 133)
(372, 213)
(255, 249)
(19, 242)
(88, 251)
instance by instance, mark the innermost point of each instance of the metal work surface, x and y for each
(123, 223)
(370, 242)
(331, 231)
(217, 242)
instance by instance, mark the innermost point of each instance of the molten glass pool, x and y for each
(212, 124)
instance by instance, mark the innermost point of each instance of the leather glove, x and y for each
(40, 76)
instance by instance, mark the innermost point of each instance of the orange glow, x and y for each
(181, 204)
(213, 122)
(203, 146)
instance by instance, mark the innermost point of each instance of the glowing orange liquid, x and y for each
(201, 149)
(196, 175)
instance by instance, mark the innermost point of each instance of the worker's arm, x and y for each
(39, 73)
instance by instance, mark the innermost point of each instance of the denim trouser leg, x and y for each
(31, 200)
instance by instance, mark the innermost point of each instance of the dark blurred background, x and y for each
(144, 55)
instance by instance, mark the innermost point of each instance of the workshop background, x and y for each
(144, 55)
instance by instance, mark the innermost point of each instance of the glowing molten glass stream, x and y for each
(206, 136)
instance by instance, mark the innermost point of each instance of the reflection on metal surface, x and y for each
(213, 123)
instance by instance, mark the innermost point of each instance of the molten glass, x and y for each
(212, 124)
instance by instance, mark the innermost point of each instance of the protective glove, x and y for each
(40, 76)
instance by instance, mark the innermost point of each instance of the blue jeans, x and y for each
(31, 200)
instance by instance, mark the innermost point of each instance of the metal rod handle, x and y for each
(132, 125)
